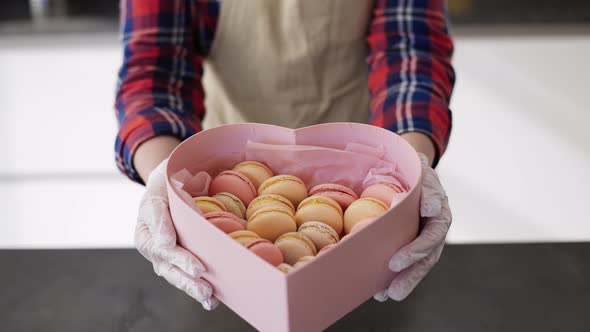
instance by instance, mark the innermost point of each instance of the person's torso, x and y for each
(290, 62)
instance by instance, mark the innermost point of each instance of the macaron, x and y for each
(288, 186)
(235, 183)
(266, 201)
(255, 171)
(319, 233)
(295, 245)
(267, 251)
(244, 237)
(284, 267)
(271, 222)
(362, 208)
(232, 204)
(320, 208)
(302, 261)
(208, 204)
(326, 249)
(341, 194)
(382, 191)
(225, 221)
(361, 224)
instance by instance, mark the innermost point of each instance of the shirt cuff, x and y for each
(142, 126)
(435, 123)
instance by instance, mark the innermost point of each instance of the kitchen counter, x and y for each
(504, 287)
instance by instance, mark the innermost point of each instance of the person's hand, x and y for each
(155, 239)
(413, 261)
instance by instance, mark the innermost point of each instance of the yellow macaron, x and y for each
(266, 201)
(209, 204)
(244, 237)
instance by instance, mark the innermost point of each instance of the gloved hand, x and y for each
(413, 261)
(155, 238)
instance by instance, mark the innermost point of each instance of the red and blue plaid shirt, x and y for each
(165, 41)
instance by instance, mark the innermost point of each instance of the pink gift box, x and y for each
(316, 295)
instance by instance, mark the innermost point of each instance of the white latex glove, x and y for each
(155, 238)
(415, 260)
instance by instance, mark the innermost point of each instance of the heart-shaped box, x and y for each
(316, 295)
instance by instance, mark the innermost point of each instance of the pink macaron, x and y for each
(234, 183)
(267, 251)
(382, 191)
(341, 194)
(225, 221)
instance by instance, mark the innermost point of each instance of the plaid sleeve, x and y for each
(159, 90)
(410, 73)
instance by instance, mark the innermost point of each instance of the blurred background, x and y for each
(517, 168)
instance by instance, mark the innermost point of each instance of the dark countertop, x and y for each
(515, 287)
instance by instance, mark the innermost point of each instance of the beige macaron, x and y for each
(302, 261)
(232, 204)
(285, 268)
(295, 245)
(319, 233)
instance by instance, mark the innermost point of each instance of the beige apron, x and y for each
(288, 62)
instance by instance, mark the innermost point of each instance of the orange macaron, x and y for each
(271, 222)
(320, 208)
(382, 191)
(256, 171)
(363, 208)
(288, 186)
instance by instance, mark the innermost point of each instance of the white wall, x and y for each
(516, 170)
(518, 166)
(59, 186)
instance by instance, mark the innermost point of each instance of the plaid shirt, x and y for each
(160, 93)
